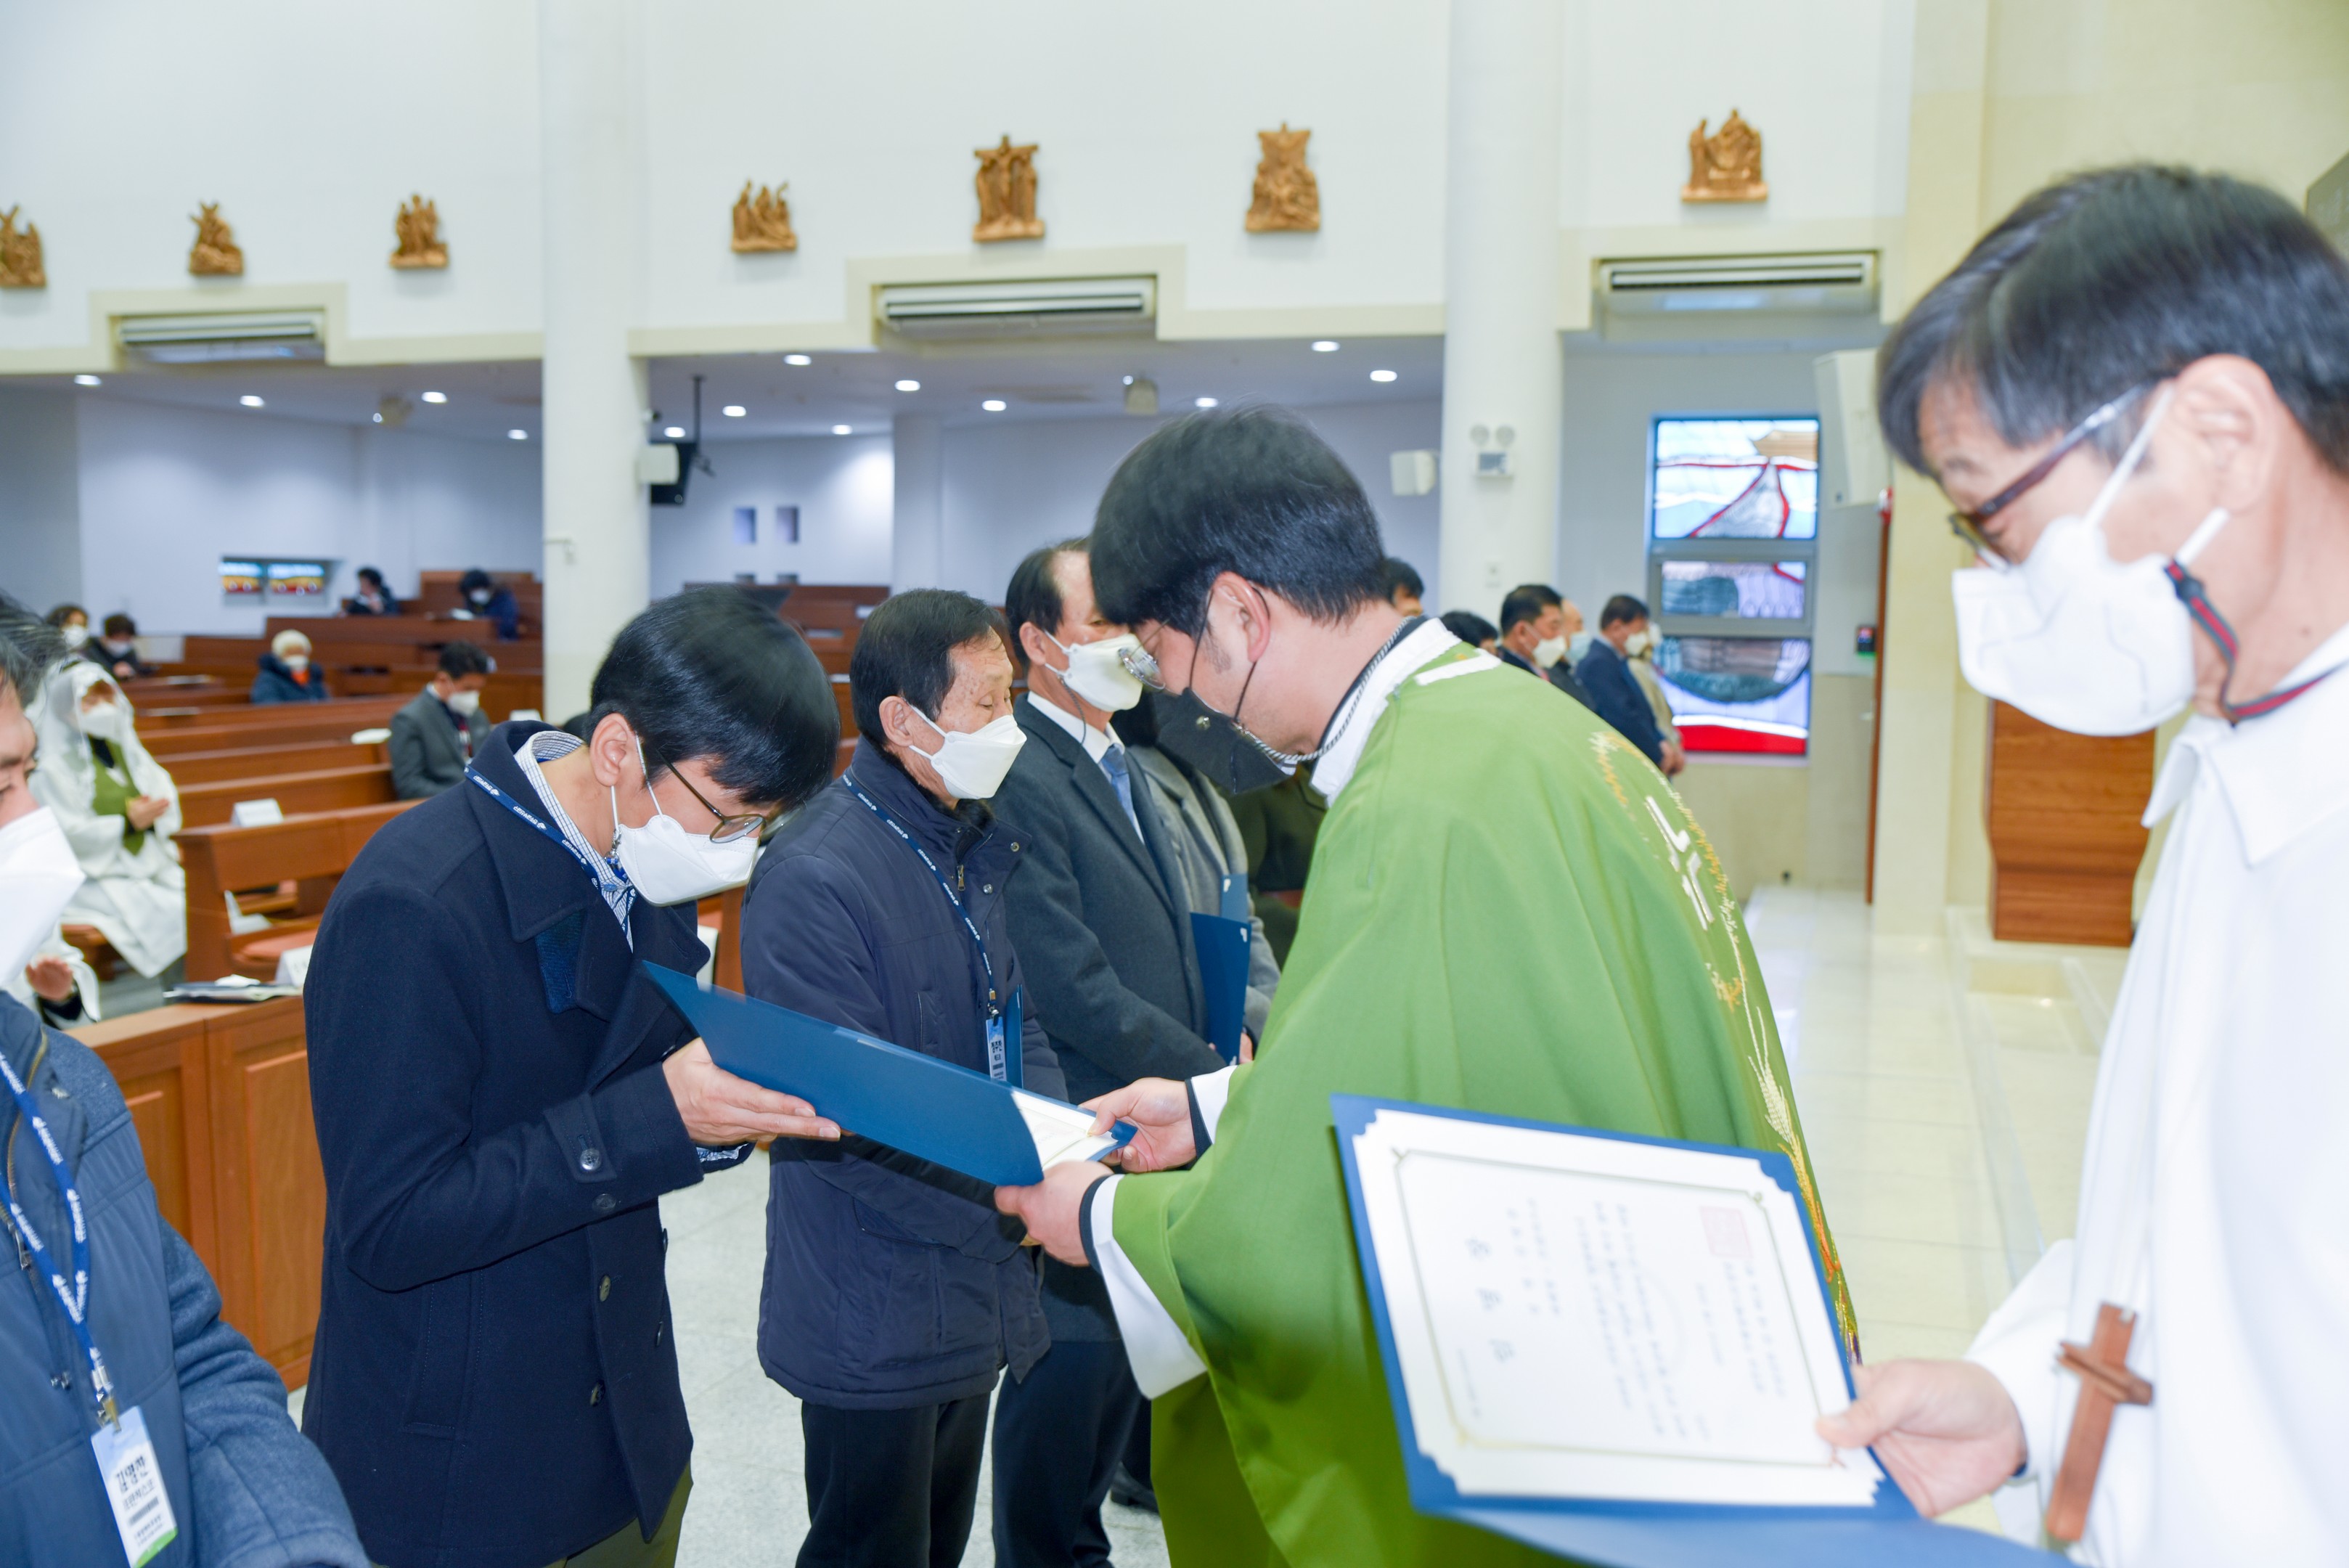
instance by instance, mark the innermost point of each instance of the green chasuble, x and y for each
(1510, 911)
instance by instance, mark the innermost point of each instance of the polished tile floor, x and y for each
(1944, 1085)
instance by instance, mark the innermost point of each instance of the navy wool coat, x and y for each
(891, 1282)
(494, 1379)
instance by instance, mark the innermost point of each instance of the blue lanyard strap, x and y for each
(547, 828)
(994, 1004)
(75, 1299)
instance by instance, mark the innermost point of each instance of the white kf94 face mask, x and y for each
(1548, 651)
(39, 878)
(669, 865)
(2075, 639)
(1097, 670)
(972, 763)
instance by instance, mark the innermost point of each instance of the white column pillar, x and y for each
(918, 546)
(597, 534)
(1501, 364)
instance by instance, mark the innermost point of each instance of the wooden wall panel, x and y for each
(158, 1059)
(2062, 813)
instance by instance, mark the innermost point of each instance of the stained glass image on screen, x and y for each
(296, 579)
(1739, 693)
(1749, 590)
(1736, 479)
(240, 579)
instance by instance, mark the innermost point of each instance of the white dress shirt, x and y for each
(2212, 1200)
(1162, 1358)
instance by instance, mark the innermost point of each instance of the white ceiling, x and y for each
(1079, 378)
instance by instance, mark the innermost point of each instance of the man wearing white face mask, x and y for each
(1103, 920)
(502, 1097)
(2135, 391)
(436, 736)
(880, 908)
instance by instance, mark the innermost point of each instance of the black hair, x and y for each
(474, 578)
(29, 645)
(1394, 572)
(461, 658)
(60, 614)
(1251, 491)
(1470, 628)
(906, 650)
(1034, 594)
(2108, 280)
(1622, 608)
(369, 575)
(120, 625)
(711, 674)
(1526, 602)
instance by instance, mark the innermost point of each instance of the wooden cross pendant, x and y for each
(2106, 1381)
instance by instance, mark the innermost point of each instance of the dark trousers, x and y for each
(891, 1488)
(1058, 1436)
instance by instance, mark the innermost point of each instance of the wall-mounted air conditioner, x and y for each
(223, 334)
(1818, 283)
(1061, 306)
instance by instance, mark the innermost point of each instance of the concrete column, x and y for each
(1502, 362)
(918, 546)
(597, 534)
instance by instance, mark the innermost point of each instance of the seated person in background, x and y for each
(845, 922)
(285, 674)
(1640, 651)
(435, 736)
(373, 598)
(1404, 590)
(1534, 629)
(119, 811)
(118, 650)
(1616, 695)
(72, 624)
(486, 599)
(240, 1484)
(1472, 628)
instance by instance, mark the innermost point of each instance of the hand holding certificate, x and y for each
(1614, 1347)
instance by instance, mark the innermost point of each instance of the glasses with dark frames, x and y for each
(1971, 526)
(730, 829)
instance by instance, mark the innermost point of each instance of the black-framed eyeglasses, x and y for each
(1971, 526)
(742, 824)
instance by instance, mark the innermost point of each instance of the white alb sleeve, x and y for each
(2018, 1347)
(1163, 1359)
(1213, 1092)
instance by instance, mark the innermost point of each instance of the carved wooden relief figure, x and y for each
(1287, 195)
(763, 222)
(20, 254)
(1727, 165)
(1007, 193)
(418, 228)
(215, 252)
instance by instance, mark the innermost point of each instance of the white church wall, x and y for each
(840, 485)
(40, 485)
(166, 491)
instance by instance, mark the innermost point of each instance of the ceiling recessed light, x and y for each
(1203, 402)
(797, 359)
(909, 386)
(993, 405)
(435, 397)
(675, 433)
(734, 410)
(1383, 375)
(250, 401)
(86, 380)
(840, 430)
(517, 435)
(1325, 346)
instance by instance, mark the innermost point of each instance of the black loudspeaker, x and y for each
(673, 495)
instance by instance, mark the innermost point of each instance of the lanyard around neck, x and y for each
(74, 1298)
(978, 942)
(552, 832)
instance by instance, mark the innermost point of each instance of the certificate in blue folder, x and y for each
(1613, 1348)
(1223, 947)
(961, 1119)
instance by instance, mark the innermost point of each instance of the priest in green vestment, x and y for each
(1510, 911)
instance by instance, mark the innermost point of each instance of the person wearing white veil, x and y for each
(119, 811)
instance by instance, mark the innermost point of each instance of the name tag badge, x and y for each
(999, 1067)
(142, 1513)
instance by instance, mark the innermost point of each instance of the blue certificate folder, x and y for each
(1633, 1534)
(1223, 947)
(963, 1120)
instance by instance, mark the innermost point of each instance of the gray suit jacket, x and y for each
(425, 756)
